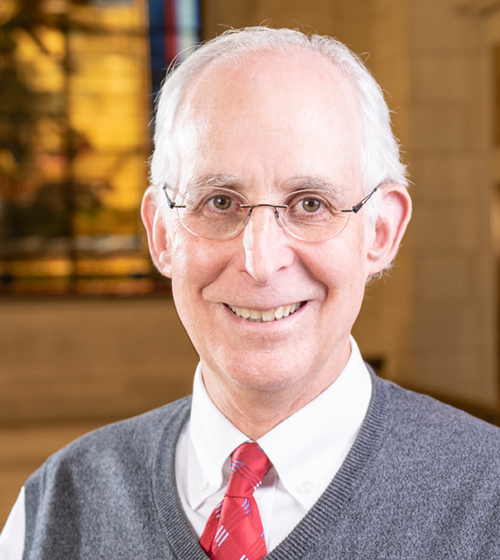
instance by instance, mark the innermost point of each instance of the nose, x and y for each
(266, 245)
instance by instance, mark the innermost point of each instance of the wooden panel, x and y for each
(77, 359)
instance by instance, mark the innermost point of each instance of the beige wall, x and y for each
(455, 303)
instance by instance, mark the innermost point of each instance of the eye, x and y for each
(310, 204)
(222, 201)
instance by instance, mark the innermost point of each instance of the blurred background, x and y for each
(88, 331)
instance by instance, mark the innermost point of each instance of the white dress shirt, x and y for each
(306, 450)
(12, 537)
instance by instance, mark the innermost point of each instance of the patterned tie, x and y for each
(234, 530)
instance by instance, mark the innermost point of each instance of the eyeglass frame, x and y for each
(355, 209)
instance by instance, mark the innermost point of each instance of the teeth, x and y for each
(268, 315)
(254, 314)
(257, 316)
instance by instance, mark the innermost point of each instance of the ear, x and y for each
(157, 233)
(395, 213)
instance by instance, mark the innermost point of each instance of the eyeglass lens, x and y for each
(221, 214)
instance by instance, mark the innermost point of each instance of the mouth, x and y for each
(258, 316)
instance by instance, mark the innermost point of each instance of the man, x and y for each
(277, 193)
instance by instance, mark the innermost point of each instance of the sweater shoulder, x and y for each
(435, 429)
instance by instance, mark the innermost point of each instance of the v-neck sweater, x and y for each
(422, 481)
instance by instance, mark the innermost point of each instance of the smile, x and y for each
(257, 316)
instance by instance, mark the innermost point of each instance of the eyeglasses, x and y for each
(218, 213)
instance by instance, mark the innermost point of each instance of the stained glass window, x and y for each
(76, 95)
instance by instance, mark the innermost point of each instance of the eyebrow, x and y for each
(222, 181)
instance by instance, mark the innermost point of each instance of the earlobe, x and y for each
(394, 215)
(156, 231)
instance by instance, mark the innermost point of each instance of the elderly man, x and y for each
(277, 193)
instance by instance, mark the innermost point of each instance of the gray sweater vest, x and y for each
(422, 481)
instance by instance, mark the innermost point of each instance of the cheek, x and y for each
(196, 262)
(339, 263)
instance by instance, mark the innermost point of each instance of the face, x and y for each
(267, 125)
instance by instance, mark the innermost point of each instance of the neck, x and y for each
(257, 411)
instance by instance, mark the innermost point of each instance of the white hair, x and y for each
(379, 151)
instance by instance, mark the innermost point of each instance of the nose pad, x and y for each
(275, 210)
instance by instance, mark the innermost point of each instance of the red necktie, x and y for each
(234, 530)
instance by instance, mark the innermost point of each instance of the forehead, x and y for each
(266, 117)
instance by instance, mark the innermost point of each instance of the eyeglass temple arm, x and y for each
(169, 200)
(357, 207)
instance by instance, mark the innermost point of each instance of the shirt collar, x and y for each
(212, 439)
(306, 449)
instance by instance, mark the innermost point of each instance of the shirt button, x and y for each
(201, 486)
(306, 487)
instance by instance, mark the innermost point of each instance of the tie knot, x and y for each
(249, 465)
